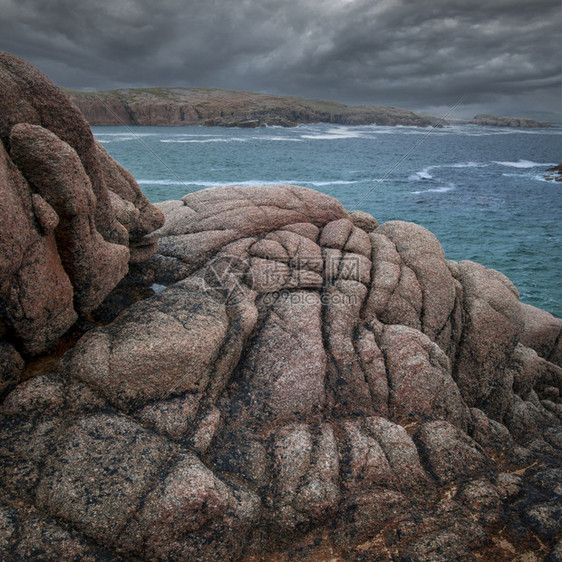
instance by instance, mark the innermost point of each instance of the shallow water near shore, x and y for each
(480, 190)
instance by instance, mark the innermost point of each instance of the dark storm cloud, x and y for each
(411, 53)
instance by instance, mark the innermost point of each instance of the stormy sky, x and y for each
(497, 55)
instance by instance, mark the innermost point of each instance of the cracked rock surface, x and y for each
(308, 385)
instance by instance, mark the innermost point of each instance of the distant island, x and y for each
(497, 121)
(229, 108)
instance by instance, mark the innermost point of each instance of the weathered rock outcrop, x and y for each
(227, 108)
(307, 383)
(71, 219)
(555, 173)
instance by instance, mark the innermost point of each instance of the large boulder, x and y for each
(543, 333)
(306, 383)
(72, 219)
(93, 265)
(491, 329)
(36, 296)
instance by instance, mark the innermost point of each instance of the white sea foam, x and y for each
(542, 178)
(524, 164)
(210, 139)
(340, 133)
(277, 139)
(477, 131)
(206, 183)
(187, 183)
(323, 183)
(468, 165)
(534, 177)
(160, 182)
(127, 134)
(426, 175)
(120, 139)
(422, 175)
(204, 141)
(443, 189)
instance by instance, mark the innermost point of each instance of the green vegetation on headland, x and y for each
(229, 108)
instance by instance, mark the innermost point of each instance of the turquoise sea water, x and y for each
(480, 190)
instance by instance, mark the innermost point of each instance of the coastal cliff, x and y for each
(227, 108)
(188, 106)
(259, 373)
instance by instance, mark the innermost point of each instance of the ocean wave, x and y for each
(122, 139)
(342, 133)
(98, 134)
(467, 165)
(161, 182)
(524, 164)
(483, 131)
(422, 175)
(426, 175)
(534, 177)
(190, 183)
(479, 131)
(206, 183)
(330, 182)
(198, 140)
(203, 141)
(551, 179)
(277, 139)
(443, 189)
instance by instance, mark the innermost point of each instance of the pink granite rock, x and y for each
(449, 453)
(421, 253)
(28, 96)
(492, 326)
(307, 385)
(132, 208)
(52, 169)
(36, 295)
(420, 381)
(298, 377)
(543, 333)
(69, 212)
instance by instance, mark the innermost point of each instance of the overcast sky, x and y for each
(501, 55)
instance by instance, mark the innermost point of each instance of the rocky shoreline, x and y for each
(254, 373)
(554, 173)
